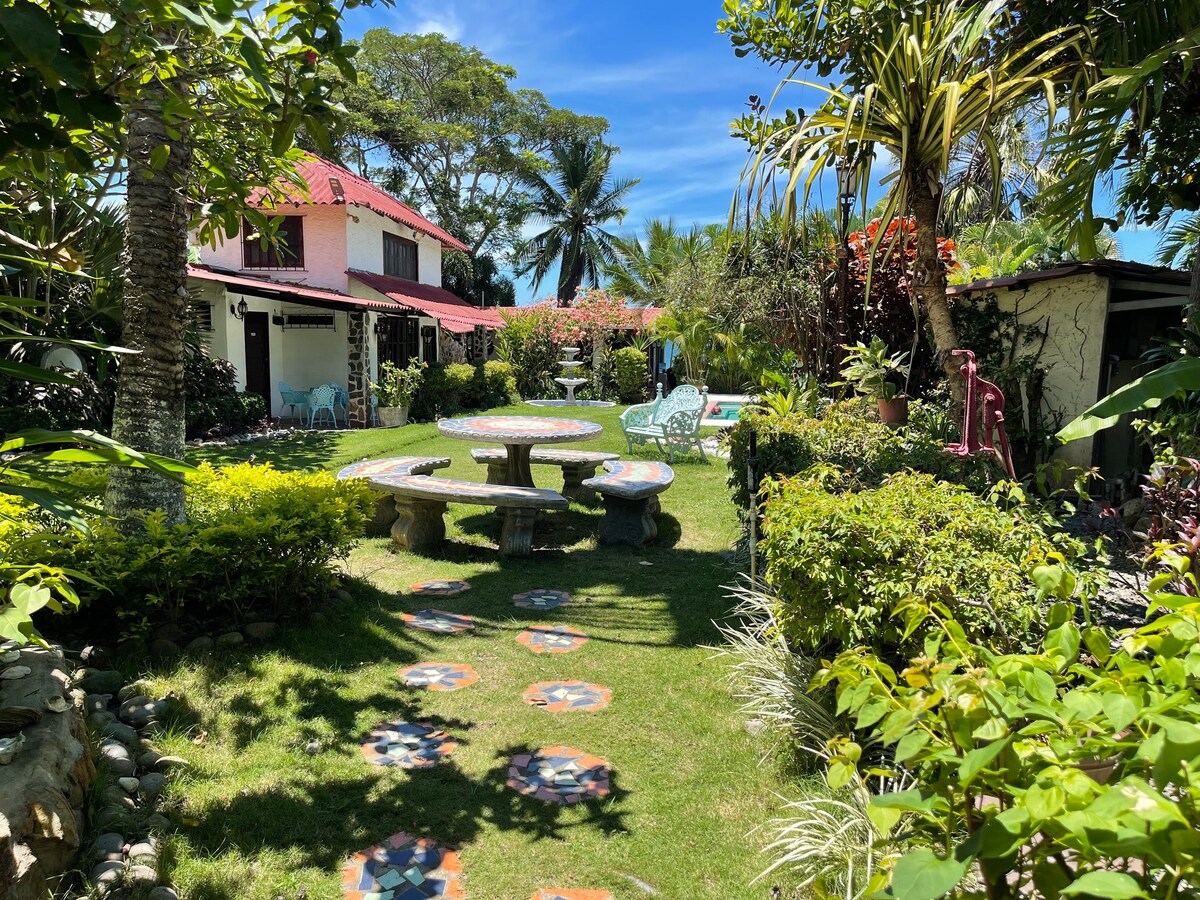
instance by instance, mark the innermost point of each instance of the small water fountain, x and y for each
(570, 380)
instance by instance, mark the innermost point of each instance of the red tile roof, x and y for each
(268, 287)
(357, 191)
(643, 316)
(453, 313)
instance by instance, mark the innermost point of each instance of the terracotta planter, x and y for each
(393, 416)
(894, 412)
(1098, 770)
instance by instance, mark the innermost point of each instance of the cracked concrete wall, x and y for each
(1076, 311)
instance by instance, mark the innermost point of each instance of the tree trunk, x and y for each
(569, 287)
(149, 410)
(1193, 307)
(929, 279)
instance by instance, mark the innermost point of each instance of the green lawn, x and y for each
(260, 817)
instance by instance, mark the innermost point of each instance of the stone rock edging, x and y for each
(234, 439)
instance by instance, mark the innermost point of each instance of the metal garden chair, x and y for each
(293, 399)
(321, 399)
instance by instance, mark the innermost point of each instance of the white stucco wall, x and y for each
(324, 249)
(364, 242)
(1076, 310)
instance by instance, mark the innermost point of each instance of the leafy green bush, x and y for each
(848, 566)
(258, 543)
(397, 387)
(1073, 771)
(630, 366)
(500, 385)
(214, 404)
(847, 436)
(451, 389)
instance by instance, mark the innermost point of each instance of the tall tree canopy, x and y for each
(461, 143)
(575, 200)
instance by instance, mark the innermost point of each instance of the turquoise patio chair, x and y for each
(293, 399)
(321, 399)
(341, 400)
(374, 411)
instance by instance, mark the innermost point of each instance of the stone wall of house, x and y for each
(359, 388)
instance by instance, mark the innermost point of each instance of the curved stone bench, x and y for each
(630, 490)
(421, 505)
(576, 465)
(385, 509)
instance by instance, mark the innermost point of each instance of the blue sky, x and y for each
(667, 82)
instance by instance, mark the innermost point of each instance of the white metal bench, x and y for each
(674, 419)
(385, 509)
(630, 490)
(421, 505)
(576, 465)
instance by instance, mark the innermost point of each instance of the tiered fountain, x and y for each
(570, 381)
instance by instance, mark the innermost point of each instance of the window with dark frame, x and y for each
(287, 254)
(399, 257)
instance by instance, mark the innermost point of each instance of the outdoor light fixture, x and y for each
(239, 311)
(380, 327)
(339, 194)
(428, 331)
(848, 185)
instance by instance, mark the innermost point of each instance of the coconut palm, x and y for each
(644, 266)
(1001, 249)
(575, 199)
(932, 76)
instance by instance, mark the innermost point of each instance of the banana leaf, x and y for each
(1147, 392)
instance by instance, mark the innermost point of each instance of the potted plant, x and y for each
(872, 372)
(395, 391)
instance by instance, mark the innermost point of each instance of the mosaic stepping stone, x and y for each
(437, 620)
(570, 894)
(551, 639)
(438, 676)
(441, 588)
(541, 599)
(409, 745)
(403, 867)
(561, 775)
(567, 696)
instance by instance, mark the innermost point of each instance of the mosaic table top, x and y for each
(633, 478)
(404, 867)
(407, 745)
(437, 620)
(567, 696)
(394, 465)
(570, 894)
(561, 775)
(452, 490)
(551, 639)
(541, 598)
(519, 429)
(436, 676)
(440, 587)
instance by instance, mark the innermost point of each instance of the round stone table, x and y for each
(519, 434)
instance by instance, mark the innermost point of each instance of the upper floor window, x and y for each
(287, 254)
(399, 257)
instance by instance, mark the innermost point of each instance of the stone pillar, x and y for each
(359, 387)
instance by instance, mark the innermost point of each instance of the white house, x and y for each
(356, 282)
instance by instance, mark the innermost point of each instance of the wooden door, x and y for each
(258, 355)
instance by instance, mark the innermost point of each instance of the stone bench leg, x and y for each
(574, 475)
(385, 515)
(419, 524)
(628, 521)
(516, 534)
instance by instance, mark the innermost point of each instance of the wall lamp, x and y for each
(239, 311)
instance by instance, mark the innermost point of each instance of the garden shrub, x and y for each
(453, 388)
(845, 564)
(215, 406)
(630, 366)
(847, 436)
(500, 385)
(258, 543)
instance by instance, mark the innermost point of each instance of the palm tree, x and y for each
(575, 199)
(1001, 249)
(645, 266)
(934, 75)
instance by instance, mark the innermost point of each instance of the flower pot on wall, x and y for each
(393, 416)
(894, 412)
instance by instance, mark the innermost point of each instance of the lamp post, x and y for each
(847, 180)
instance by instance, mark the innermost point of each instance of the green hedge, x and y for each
(259, 543)
(629, 364)
(844, 562)
(457, 387)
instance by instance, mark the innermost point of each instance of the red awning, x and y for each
(272, 289)
(453, 313)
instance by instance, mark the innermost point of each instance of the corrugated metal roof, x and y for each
(268, 287)
(1116, 268)
(357, 191)
(454, 313)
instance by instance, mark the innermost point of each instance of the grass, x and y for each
(259, 817)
